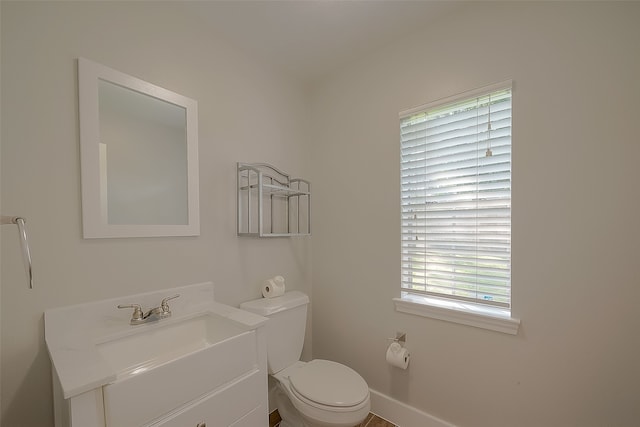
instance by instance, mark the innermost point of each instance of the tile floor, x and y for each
(372, 420)
(375, 421)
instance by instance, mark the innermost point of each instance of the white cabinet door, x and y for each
(225, 407)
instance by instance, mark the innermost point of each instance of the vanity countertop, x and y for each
(72, 333)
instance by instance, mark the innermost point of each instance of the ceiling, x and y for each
(309, 38)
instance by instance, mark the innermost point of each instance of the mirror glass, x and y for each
(139, 157)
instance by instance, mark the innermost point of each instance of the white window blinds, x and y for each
(456, 197)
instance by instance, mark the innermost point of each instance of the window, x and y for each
(456, 199)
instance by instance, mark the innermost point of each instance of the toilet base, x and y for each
(289, 415)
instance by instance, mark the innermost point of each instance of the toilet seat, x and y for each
(323, 383)
(314, 412)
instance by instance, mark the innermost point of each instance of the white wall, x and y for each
(247, 113)
(574, 362)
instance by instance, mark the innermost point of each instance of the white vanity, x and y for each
(204, 365)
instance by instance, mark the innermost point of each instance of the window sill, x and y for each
(479, 316)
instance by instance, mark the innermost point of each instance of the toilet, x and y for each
(319, 393)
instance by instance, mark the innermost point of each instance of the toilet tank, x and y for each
(285, 329)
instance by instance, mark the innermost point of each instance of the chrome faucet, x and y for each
(139, 317)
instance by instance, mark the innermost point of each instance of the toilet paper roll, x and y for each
(273, 288)
(398, 356)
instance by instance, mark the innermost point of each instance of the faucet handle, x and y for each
(137, 311)
(165, 306)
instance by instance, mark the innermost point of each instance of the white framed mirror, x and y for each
(139, 156)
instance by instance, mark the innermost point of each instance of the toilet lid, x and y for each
(329, 383)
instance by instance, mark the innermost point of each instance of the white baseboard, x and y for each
(402, 414)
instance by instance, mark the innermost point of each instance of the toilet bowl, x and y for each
(319, 393)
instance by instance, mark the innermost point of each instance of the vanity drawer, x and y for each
(136, 400)
(237, 405)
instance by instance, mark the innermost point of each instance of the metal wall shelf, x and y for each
(271, 203)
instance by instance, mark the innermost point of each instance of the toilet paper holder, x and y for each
(397, 355)
(401, 337)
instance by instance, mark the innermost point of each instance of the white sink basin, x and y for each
(162, 366)
(154, 344)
